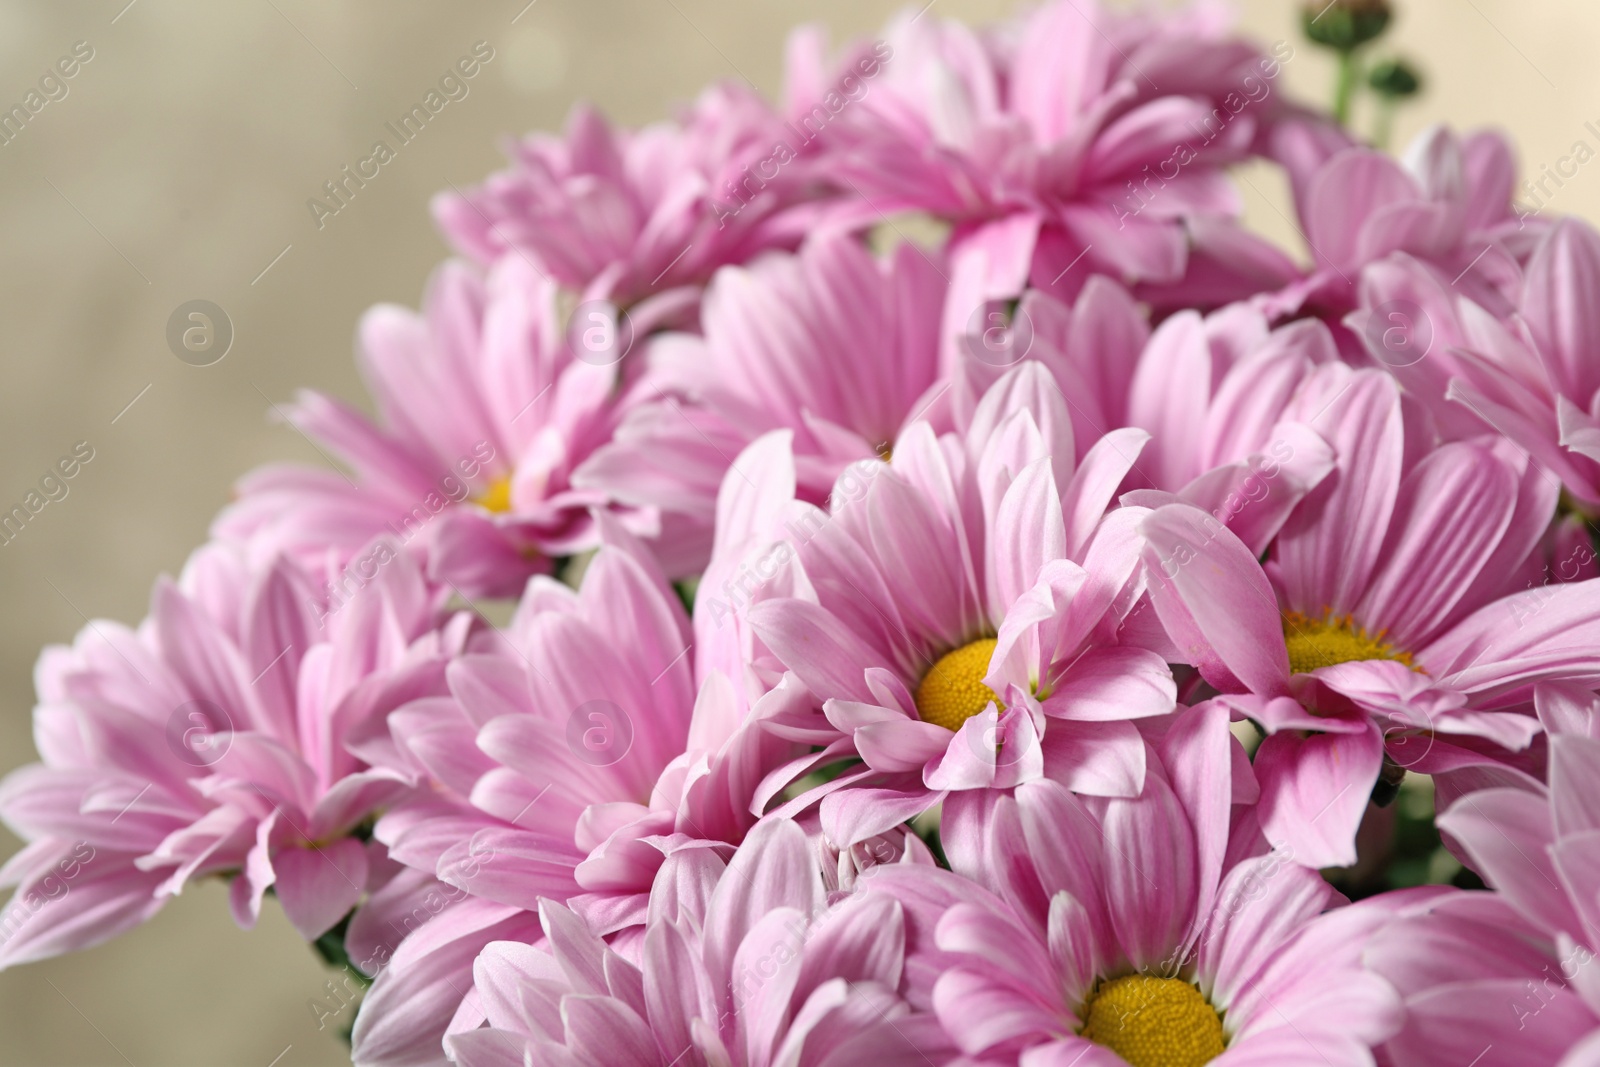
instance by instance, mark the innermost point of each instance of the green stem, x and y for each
(1383, 124)
(1345, 89)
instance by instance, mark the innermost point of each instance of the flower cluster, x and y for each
(975, 602)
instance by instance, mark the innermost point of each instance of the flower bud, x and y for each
(1345, 25)
(1394, 79)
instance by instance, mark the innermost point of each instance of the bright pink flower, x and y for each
(1139, 930)
(1391, 615)
(211, 741)
(485, 413)
(949, 606)
(1509, 978)
(622, 215)
(1536, 379)
(1076, 131)
(751, 964)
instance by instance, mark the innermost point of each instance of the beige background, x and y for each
(179, 166)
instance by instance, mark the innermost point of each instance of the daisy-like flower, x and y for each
(1137, 932)
(1078, 132)
(844, 350)
(833, 344)
(623, 215)
(1446, 209)
(485, 412)
(1390, 616)
(1509, 978)
(1419, 265)
(1220, 397)
(567, 760)
(954, 617)
(1537, 379)
(211, 742)
(748, 964)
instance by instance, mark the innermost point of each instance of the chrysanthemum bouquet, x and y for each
(975, 602)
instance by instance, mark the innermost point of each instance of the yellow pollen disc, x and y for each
(953, 691)
(1154, 1022)
(497, 497)
(1324, 642)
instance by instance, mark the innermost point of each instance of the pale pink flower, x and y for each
(953, 615)
(834, 344)
(1077, 139)
(1417, 265)
(485, 410)
(211, 742)
(1509, 978)
(417, 937)
(1222, 400)
(567, 760)
(1391, 616)
(627, 214)
(1536, 378)
(1139, 930)
(1446, 209)
(748, 964)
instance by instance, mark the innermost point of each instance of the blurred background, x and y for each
(178, 167)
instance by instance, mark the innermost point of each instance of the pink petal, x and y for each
(1344, 194)
(1557, 302)
(900, 744)
(1106, 684)
(106, 897)
(1214, 599)
(1330, 546)
(1453, 508)
(1314, 790)
(1104, 759)
(318, 885)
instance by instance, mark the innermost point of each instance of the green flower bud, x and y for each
(1345, 25)
(1395, 79)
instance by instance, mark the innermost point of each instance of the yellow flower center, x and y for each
(497, 497)
(1154, 1022)
(953, 691)
(1324, 642)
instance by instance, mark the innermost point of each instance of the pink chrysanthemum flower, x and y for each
(211, 742)
(1076, 132)
(1508, 979)
(1391, 615)
(1222, 400)
(1537, 378)
(624, 215)
(417, 937)
(835, 345)
(748, 964)
(566, 762)
(485, 408)
(1418, 263)
(844, 350)
(1137, 932)
(954, 615)
(1446, 209)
